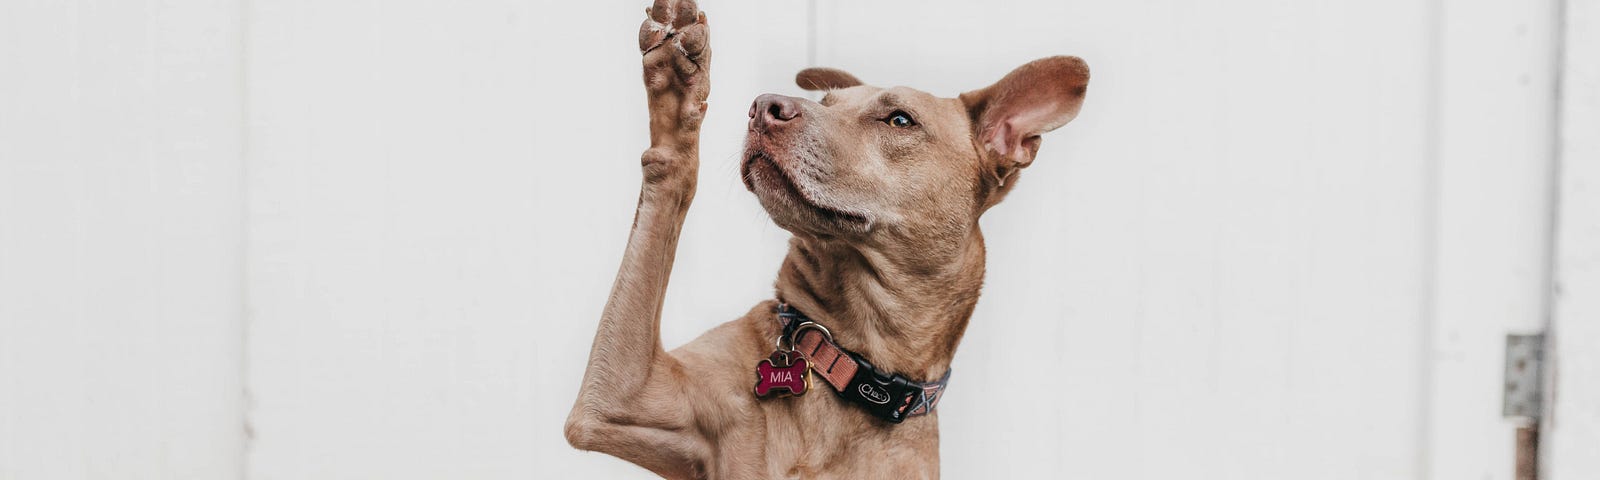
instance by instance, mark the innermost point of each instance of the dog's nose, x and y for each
(772, 110)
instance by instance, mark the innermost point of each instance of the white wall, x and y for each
(120, 240)
(1572, 422)
(1494, 113)
(1283, 240)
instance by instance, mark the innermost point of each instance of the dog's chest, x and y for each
(818, 435)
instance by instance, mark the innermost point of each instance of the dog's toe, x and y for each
(651, 35)
(692, 41)
(684, 13)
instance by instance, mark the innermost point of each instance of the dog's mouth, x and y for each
(762, 174)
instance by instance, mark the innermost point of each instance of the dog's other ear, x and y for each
(823, 78)
(1009, 116)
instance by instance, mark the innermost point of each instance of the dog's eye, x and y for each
(899, 119)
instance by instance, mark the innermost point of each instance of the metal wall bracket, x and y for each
(1524, 362)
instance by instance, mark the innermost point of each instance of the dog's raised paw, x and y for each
(663, 19)
(675, 43)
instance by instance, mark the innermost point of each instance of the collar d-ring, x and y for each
(794, 336)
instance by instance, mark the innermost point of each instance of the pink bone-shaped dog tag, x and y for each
(783, 372)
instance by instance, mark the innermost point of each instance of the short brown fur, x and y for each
(886, 252)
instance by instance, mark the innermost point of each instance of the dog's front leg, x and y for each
(632, 402)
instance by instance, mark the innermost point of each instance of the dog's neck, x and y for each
(904, 309)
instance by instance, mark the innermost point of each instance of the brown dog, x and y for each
(882, 189)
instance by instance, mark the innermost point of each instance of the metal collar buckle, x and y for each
(791, 334)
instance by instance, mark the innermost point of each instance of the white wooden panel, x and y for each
(1218, 268)
(1229, 257)
(439, 198)
(1572, 427)
(1495, 114)
(120, 240)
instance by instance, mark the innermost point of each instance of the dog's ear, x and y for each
(1009, 116)
(823, 78)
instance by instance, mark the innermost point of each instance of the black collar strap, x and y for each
(885, 395)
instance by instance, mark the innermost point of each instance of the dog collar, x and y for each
(885, 395)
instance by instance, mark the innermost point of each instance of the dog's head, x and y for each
(870, 163)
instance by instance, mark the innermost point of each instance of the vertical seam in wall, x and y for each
(1428, 310)
(246, 431)
(1552, 279)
